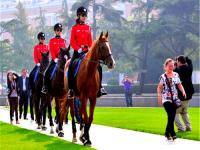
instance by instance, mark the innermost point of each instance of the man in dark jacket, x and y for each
(24, 92)
(184, 69)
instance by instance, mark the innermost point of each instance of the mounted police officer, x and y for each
(41, 47)
(54, 45)
(81, 41)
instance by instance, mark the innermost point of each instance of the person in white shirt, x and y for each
(168, 95)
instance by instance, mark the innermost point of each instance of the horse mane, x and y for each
(94, 44)
(92, 48)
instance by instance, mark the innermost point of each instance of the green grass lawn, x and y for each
(12, 138)
(151, 120)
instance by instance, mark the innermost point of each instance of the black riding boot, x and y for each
(71, 76)
(101, 91)
(47, 76)
(44, 87)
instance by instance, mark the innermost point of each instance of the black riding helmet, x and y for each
(41, 35)
(81, 11)
(58, 26)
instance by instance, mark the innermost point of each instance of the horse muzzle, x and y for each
(111, 65)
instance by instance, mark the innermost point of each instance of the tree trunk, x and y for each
(145, 54)
(94, 19)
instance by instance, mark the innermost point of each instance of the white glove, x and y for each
(66, 57)
(38, 64)
(80, 50)
(56, 60)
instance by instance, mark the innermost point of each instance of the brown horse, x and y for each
(88, 81)
(58, 90)
(66, 104)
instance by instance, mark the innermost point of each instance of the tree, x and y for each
(43, 27)
(22, 43)
(177, 22)
(158, 30)
(5, 57)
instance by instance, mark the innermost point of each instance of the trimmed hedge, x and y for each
(148, 88)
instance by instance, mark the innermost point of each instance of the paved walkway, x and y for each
(108, 138)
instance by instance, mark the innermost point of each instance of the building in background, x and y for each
(51, 8)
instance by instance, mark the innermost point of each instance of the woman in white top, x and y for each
(164, 95)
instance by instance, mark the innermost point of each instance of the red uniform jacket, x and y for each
(38, 49)
(80, 35)
(55, 44)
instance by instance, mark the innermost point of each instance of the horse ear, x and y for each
(62, 49)
(68, 49)
(106, 34)
(101, 35)
(47, 53)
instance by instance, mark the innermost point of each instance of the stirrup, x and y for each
(44, 90)
(103, 91)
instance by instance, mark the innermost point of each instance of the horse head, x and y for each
(104, 51)
(44, 61)
(63, 56)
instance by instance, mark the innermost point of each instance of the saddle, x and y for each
(36, 74)
(55, 68)
(75, 68)
(76, 65)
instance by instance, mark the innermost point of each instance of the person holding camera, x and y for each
(184, 69)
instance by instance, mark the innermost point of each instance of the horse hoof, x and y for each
(39, 127)
(44, 128)
(74, 140)
(61, 134)
(82, 139)
(55, 121)
(51, 132)
(57, 130)
(87, 143)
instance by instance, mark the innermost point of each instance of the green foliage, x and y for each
(140, 43)
(43, 27)
(113, 81)
(20, 50)
(5, 55)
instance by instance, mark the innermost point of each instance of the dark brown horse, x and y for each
(88, 81)
(66, 105)
(37, 97)
(58, 89)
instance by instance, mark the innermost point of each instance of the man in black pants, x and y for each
(184, 69)
(24, 92)
(31, 108)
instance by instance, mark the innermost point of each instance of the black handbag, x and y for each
(176, 102)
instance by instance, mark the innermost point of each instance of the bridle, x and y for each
(59, 69)
(42, 70)
(103, 59)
